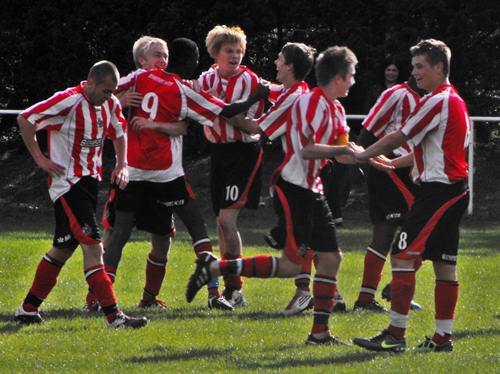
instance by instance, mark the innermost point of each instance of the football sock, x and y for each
(254, 267)
(323, 293)
(403, 288)
(45, 279)
(155, 273)
(99, 281)
(232, 281)
(303, 279)
(372, 273)
(445, 299)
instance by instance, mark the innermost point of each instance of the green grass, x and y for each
(191, 338)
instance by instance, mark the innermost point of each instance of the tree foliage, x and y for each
(49, 45)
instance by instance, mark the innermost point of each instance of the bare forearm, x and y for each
(318, 151)
(385, 145)
(28, 134)
(120, 145)
(403, 161)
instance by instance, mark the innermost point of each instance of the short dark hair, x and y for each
(102, 70)
(436, 51)
(301, 56)
(183, 51)
(333, 61)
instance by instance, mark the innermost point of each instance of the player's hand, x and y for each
(141, 123)
(381, 163)
(119, 176)
(50, 166)
(131, 99)
(262, 90)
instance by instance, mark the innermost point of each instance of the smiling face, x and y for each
(426, 76)
(155, 57)
(229, 59)
(284, 71)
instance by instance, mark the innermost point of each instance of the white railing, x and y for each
(362, 117)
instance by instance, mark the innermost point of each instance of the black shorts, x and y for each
(108, 216)
(235, 180)
(309, 220)
(390, 195)
(431, 229)
(76, 222)
(153, 203)
(336, 186)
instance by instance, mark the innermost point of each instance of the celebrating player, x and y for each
(312, 131)
(236, 156)
(157, 182)
(438, 131)
(390, 193)
(77, 119)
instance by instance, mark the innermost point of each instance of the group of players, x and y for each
(402, 135)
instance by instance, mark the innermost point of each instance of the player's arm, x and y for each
(382, 146)
(313, 151)
(230, 110)
(248, 125)
(169, 128)
(120, 173)
(403, 161)
(130, 98)
(28, 133)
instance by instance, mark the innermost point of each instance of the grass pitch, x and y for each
(191, 338)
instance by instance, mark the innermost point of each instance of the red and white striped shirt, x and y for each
(313, 119)
(76, 130)
(273, 122)
(154, 156)
(239, 87)
(439, 131)
(390, 111)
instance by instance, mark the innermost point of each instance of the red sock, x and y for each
(101, 285)
(303, 280)
(445, 300)
(202, 245)
(402, 288)
(45, 279)
(259, 266)
(323, 292)
(372, 273)
(232, 282)
(155, 273)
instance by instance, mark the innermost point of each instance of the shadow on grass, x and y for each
(334, 359)
(176, 355)
(464, 334)
(203, 313)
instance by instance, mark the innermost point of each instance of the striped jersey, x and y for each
(273, 122)
(390, 111)
(239, 87)
(439, 131)
(76, 130)
(155, 156)
(317, 119)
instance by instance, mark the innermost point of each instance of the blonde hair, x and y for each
(221, 34)
(142, 46)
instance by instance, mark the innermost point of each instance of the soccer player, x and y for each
(157, 182)
(390, 193)
(236, 156)
(149, 53)
(312, 131)
(438, 131)
(77, 120)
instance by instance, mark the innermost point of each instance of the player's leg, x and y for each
(442, 251)
(375, 257)
(100, 283)
(44, 281)
(324, 242)
(156, 267)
